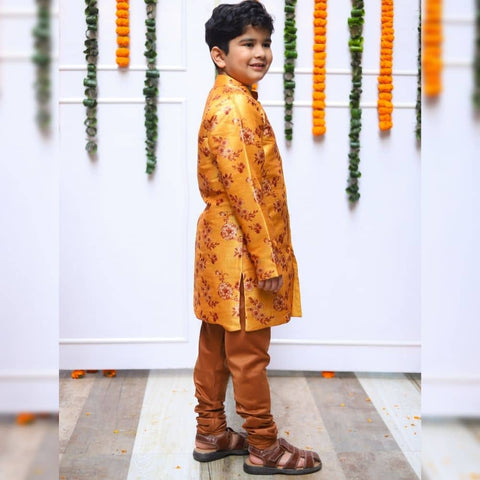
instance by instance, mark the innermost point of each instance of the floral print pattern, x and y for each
(244, 231)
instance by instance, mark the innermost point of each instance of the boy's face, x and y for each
(249, 56)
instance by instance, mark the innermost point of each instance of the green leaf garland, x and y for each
(42, 59)
(290, 54)
(90, 81)
(150, 90)
(418, 104)
(355, 25)
(476, 60)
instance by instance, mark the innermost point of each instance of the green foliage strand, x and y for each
(355, 44)
(418, 104)
(150, 90)
(42, 60)
(90, 81)
(290, 54)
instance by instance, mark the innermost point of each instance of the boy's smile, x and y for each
(249, 56)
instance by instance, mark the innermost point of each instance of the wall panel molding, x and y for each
(120, 100)
(372, 105)
(114, 68)
(121, 341)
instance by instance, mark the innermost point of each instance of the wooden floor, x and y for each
(141, 425)
(451, 449)
(29, 452)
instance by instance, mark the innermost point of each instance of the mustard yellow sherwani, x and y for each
(245, 227)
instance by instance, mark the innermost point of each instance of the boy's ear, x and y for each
(218, 57)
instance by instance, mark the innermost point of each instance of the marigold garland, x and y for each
(418, 104)
(476, 59)
(122, 53)
(385, 79)
(319, 70)
(355, 24)
(90, 81)
(432, 36)
(290, 54)
(150, 89)
(42, 60)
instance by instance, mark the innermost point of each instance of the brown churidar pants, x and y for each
(244, 355)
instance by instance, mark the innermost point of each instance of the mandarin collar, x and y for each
(223, 79)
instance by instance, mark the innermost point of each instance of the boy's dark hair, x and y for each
(229, 21)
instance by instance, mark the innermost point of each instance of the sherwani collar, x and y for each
(223, 79)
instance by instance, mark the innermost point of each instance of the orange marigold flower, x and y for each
(319, 61)
(122, 61)
(122, 22)
(122, 31)
(320, 14)
(385, 79)
(432, 39)
(317, 131)
(25, 418)
(122, 52)
(122, 5)
(122, 13)
(320, 22)
(123, 41)
(385, 88)
(385, 110)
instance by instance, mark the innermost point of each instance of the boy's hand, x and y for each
(272, 284)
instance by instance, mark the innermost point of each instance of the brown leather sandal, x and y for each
(272, 457)
(229, 443)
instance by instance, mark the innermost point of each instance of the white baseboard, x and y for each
(285, 355)
(28, 391)
(451, 396)
(344, 357)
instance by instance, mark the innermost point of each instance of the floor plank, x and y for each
(45, 463)
(28, 451)
(335, 417)
(398, 401)
(166, 430)
(101, 444)
(362, 441)
(450, 450)
(72, 397)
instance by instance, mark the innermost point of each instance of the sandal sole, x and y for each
(210, 457)
(259, 470)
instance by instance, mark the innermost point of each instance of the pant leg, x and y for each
(247, 359)
(211, 378)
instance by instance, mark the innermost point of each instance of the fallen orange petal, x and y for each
(25, 418)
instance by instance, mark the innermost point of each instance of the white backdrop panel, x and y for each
(28, 225)
(359, 268)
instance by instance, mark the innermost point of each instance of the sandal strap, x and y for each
(271, 457)
(229, 440)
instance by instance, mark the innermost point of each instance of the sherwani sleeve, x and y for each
(236, 143)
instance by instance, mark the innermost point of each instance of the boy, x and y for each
(245, 270)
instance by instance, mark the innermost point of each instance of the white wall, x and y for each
(29, 182)
(125, 304)
(450, 230)
(126, 245)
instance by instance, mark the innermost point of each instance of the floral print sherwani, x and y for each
(244, 231)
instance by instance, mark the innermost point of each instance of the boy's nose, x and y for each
(260, 52)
